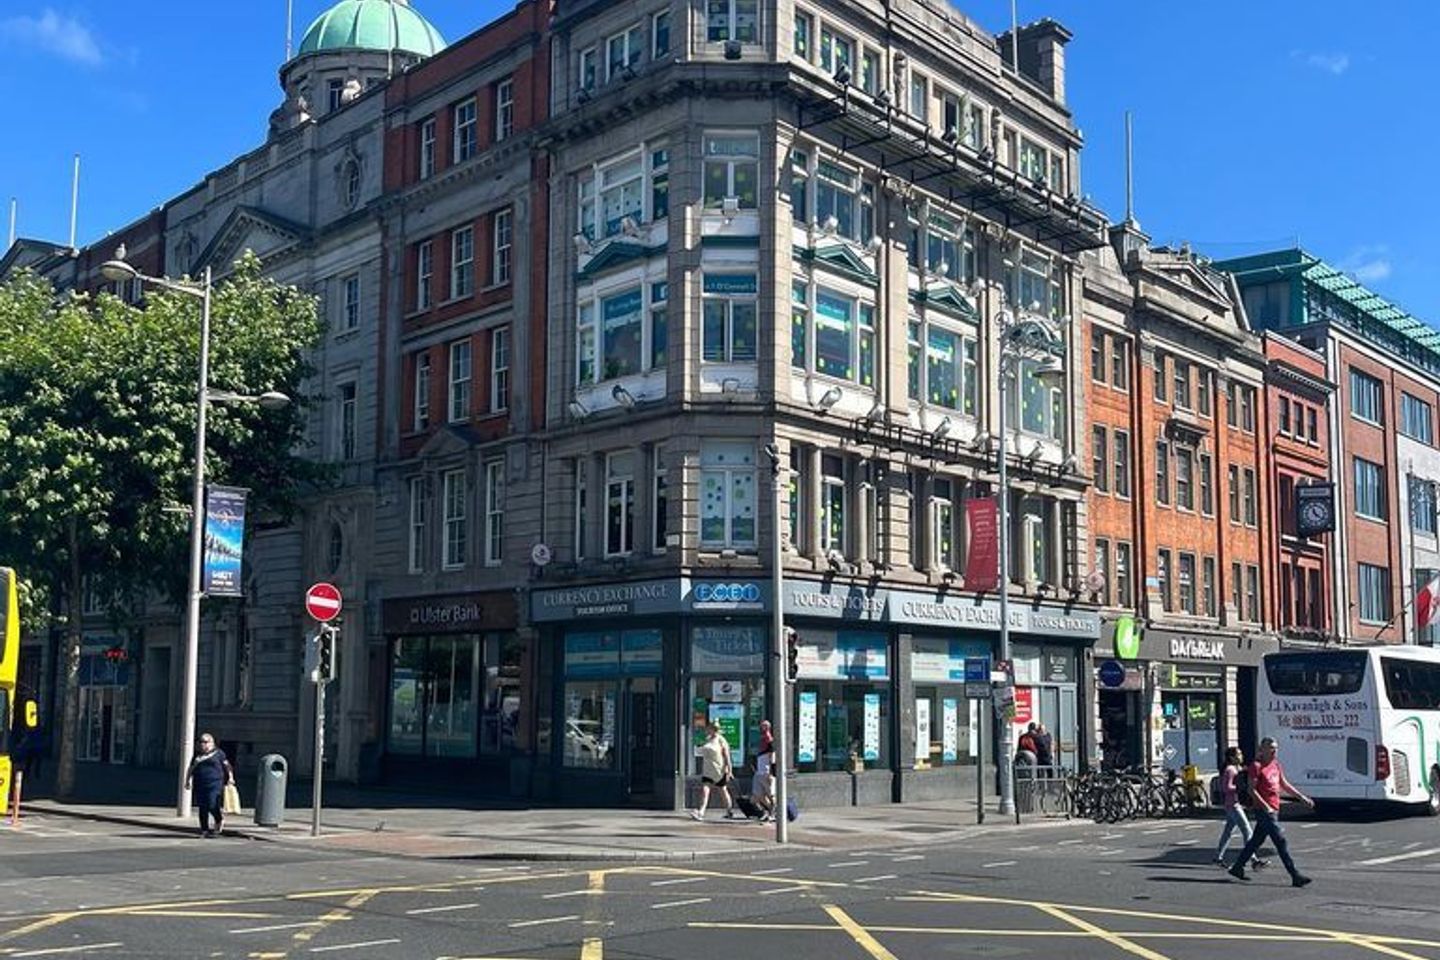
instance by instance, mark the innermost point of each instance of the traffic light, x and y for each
(792, 654)
(329, 648)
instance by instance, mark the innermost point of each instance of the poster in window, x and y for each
(730, 718)
(922, 728)
(805, 740)
(607, 720)
(950, 729)
(872, 726)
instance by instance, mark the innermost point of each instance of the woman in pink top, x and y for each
(1234, 812)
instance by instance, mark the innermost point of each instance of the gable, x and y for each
(249, 228)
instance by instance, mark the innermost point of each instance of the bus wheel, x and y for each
(1432, 803)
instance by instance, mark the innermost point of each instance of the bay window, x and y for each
(729, 324)
(728, 495)
(732, 170)
(618, 334)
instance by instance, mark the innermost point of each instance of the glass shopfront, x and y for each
(947, 725)
(610, 698)
(727, 688)
(455, 696)
(842, 705)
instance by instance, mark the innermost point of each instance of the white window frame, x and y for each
(465, 123)
(731, 162)
(456, 536)
(965, 361)
(659, 23)
(731, 29)
(727, 304)
(502, 242)
(494, 512)
(499, 369)
(422, 390)
(1377, 472)
(462, 269)
(457, 405)
(943, 233)
(713, 456)
(832, 43)
(347, 435)
(588, 72)
(425, 275)
(350, 301)
(859, 327)
(833, 500)
(427, 148)
(944, 544)
(1121, 486)
(419, 519)
(620, 495)
(504, 109)
(918, 97)
(631, 43)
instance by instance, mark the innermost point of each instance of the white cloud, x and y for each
(1332, 63)
(1368, 264)
(53, 33)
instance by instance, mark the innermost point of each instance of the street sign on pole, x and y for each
(322, 602)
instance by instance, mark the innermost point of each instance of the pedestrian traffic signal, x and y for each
(792, 654)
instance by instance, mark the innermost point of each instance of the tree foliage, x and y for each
(97, 427)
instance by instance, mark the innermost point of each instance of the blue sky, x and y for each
(1257, 124)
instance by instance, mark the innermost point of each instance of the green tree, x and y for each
(97, 432)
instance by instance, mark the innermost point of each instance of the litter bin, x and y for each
(270, 782)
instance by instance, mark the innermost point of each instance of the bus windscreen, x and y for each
(1315, 674)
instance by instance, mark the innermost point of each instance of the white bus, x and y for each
(1356, 724)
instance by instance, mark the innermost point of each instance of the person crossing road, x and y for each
(1266, 781)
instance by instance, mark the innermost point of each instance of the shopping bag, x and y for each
(230, 801)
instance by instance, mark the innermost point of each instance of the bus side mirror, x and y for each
(32, 714)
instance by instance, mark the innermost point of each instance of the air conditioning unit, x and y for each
(730, 206)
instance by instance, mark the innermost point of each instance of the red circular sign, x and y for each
(322, 602)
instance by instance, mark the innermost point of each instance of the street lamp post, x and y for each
(116, 270)
(1021, 338)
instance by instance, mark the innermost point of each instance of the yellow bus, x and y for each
(9, 669)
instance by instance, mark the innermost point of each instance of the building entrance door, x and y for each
(640, 742)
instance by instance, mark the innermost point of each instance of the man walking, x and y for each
(716, 772)
(1266, 783)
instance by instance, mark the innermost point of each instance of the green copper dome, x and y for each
(372, 25)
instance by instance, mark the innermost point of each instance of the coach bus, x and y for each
(9, 669)
(1357, 724)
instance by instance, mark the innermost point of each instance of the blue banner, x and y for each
(224, 541)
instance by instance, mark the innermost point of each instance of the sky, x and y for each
(1258, 125)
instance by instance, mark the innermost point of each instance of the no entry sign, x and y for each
(322, 601)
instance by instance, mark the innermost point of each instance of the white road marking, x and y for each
(1033, 846)
(571, 893)
(55, 951)
(1152, 832)
(772, 890)
(1412, 855)
(1308, 826)
(913, 856)
(1069, 843)
(1186, 843)
(1110, 853)
(999, 863)
(883, 876)
(671, 883)
(848, 863)
(543, 920)
(353, 946)
(446, 909)
(1194, 826)
(278, 926)
(772, 871)
(1412, 846)
(679, 903)
(1111, 836)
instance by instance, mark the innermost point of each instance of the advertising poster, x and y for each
(592, 654)
(872, 726)
(699, 716)
(922, 728)
(224, 541)
(641, 652)
(974, 728)
(730, 718)
(607, 721)
(805, 741)
(950, 729)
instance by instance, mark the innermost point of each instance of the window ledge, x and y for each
(491, 288)
(454, 300)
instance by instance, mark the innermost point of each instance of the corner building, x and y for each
(797, 226)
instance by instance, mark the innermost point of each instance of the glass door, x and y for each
(642, 727)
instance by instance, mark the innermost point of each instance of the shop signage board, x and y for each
(950, 729)
(641, 652)
(449, 613)
(1111, 674)
(726, 691)
(943, 661)
(947, 611)
(871, 745)
(729, 649)
(636, 598)
(805, 724)
(592, 654)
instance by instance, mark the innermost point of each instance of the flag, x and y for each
(1427, 604)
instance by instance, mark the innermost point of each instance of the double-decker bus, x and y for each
(9, 669)
(1357, 724)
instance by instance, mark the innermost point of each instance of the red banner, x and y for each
(982, 566)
